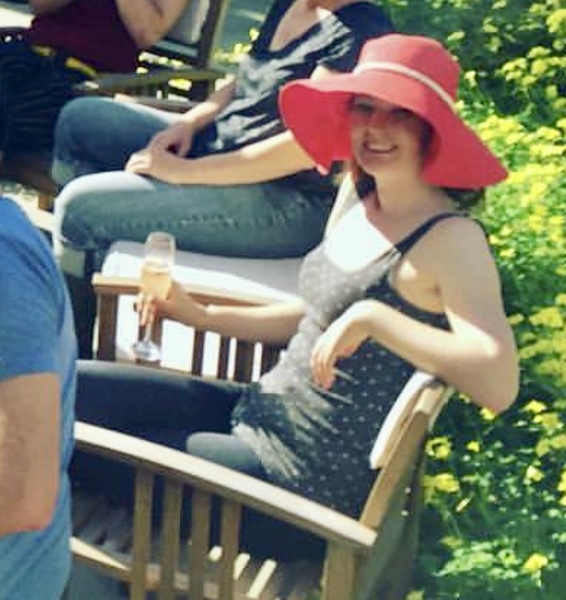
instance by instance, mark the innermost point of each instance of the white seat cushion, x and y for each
(268, 279)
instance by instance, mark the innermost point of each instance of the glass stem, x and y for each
(147, 332)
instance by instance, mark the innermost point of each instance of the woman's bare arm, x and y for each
(148, 21)
(273, 323)
(478, 355)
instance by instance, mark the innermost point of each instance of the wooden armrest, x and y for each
(111, 82)
(210, 477)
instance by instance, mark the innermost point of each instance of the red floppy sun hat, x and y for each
(413, 72)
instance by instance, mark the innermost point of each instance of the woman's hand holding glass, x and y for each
(155, 282)
(177, 306)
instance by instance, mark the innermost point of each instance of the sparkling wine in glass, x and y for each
(155, 281)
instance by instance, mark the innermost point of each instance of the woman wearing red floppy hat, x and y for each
(415, 164)
(412, 72)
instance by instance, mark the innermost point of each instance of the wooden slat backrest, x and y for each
(394, 505)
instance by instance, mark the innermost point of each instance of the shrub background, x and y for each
(495, 520)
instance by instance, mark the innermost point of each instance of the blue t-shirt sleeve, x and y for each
(30, 301)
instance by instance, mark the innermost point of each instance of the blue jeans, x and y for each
(188, 414)
(96, 136)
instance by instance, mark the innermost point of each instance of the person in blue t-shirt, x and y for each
(225, 178)
(37, 392)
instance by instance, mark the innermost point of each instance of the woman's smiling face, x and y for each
(386, 136)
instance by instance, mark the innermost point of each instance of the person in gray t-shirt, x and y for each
(225, 178)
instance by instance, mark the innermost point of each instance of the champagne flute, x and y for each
(155, 280)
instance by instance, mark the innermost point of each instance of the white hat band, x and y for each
(421, 77)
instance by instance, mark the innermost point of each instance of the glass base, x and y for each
(147, 351)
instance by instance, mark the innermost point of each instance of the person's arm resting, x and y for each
(478, 356)
(272, 158)
(29, 451)
(272, 323)
(148, 21)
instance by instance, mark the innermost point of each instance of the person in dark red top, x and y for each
(69, 41)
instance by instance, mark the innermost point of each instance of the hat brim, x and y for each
(316, 111)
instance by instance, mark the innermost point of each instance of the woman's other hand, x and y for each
(341, 338)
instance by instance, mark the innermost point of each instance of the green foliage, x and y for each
(495, 520)
(513, 49)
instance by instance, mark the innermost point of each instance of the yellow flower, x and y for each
(542, 448)
(473, 446)
(550, 421)
(535, 563)
(439, 448)
(447, 483)
(443, 482)
(508, 253)
(533, 474)
(535, 406)
(549, 316)
(516, 319)
(558, 442)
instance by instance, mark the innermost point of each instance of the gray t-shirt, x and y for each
(253, 113)
(313, 441)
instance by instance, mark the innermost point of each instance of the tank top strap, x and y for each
(410, 240)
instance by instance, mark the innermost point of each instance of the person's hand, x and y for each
(177, 138)
(341, 338)
(157, 163)
(178, 306)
